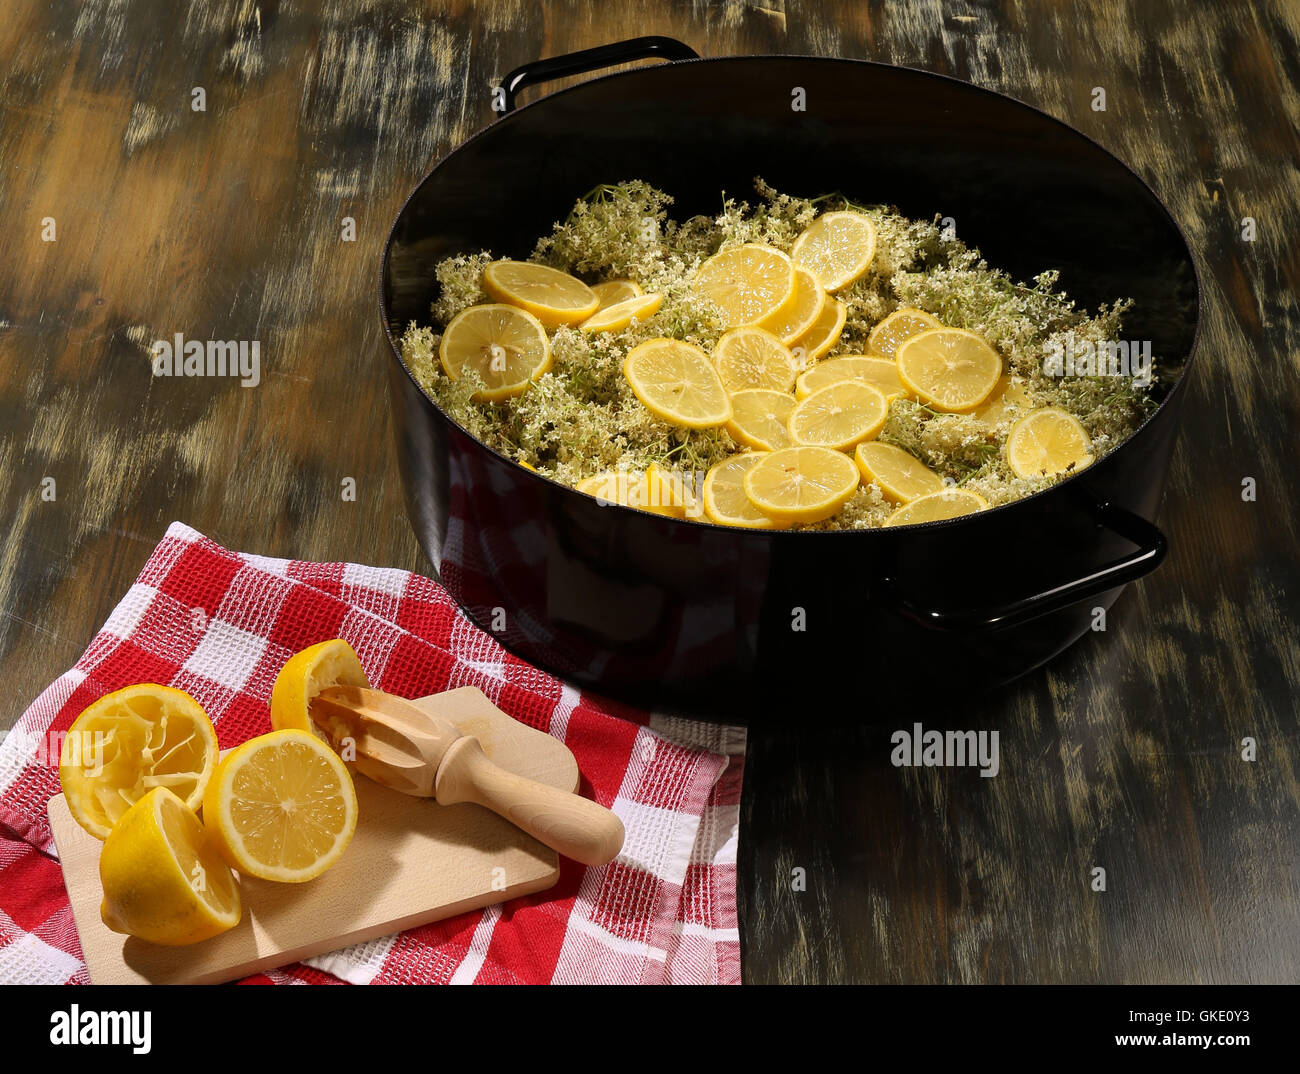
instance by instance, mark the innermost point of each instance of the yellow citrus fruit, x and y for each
(822, 336)
(506, 346)
(801, 484)
(837, 248)
(897, 328)
(936, 506)
(753, 358)
(1048, 441)
(839, 415)
(618, 316)
(899, 474)
(633, 488)
(1008, 397)
(759, 419)
(129, 742)
(612, 291)
(624, 487)
(748, 284)
(281, 807)
(676, 382)
(803, 310)
(669, 492)
(949, 368)
(162, 877)
(880, 373)
(552, 296)
(306, 674)
(725, 501)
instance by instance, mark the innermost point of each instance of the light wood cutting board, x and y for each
(411, 861)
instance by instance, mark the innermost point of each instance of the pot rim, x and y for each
(1178, 386)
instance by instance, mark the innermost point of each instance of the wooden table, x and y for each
(227, 223)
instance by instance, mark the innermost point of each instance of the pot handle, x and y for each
(589, 59)
(1150, 546)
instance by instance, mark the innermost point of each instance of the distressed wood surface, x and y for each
(226, 224)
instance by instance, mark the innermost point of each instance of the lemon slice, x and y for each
(1048, 441)
(937, 506)
(803, 310)
(669, 492)
(281, 807)
(612, 291)
(839, 415)
(306, 674)
(837, 248)
(1008, 396)
(801, 484)
(627, 488)
(163, 879)
(552, 296)
(725, 501)
(753, 358)
(759, 419)
(676, 382)
(899, 475)
(822, 336)
(748, 284)
(880, 373)
(659, 495)
(129, 742)
(897, 329)
(949, 368)
(507, 347)
(621, 314)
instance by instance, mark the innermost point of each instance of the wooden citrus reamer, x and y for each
(412, 751)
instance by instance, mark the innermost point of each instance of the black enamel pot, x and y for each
(691, 617)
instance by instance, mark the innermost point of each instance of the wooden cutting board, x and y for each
(411, 861)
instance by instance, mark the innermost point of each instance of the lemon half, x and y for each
(129, 742)
(163, 879)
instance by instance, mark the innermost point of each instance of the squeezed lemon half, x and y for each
(129, 742)
(306, 674)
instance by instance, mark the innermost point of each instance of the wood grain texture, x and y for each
(226, 224)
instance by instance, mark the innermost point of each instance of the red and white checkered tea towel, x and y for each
(220, 624)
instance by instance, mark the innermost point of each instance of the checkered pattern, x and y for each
(220, 624)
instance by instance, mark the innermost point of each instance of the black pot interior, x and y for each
(1030, 192)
